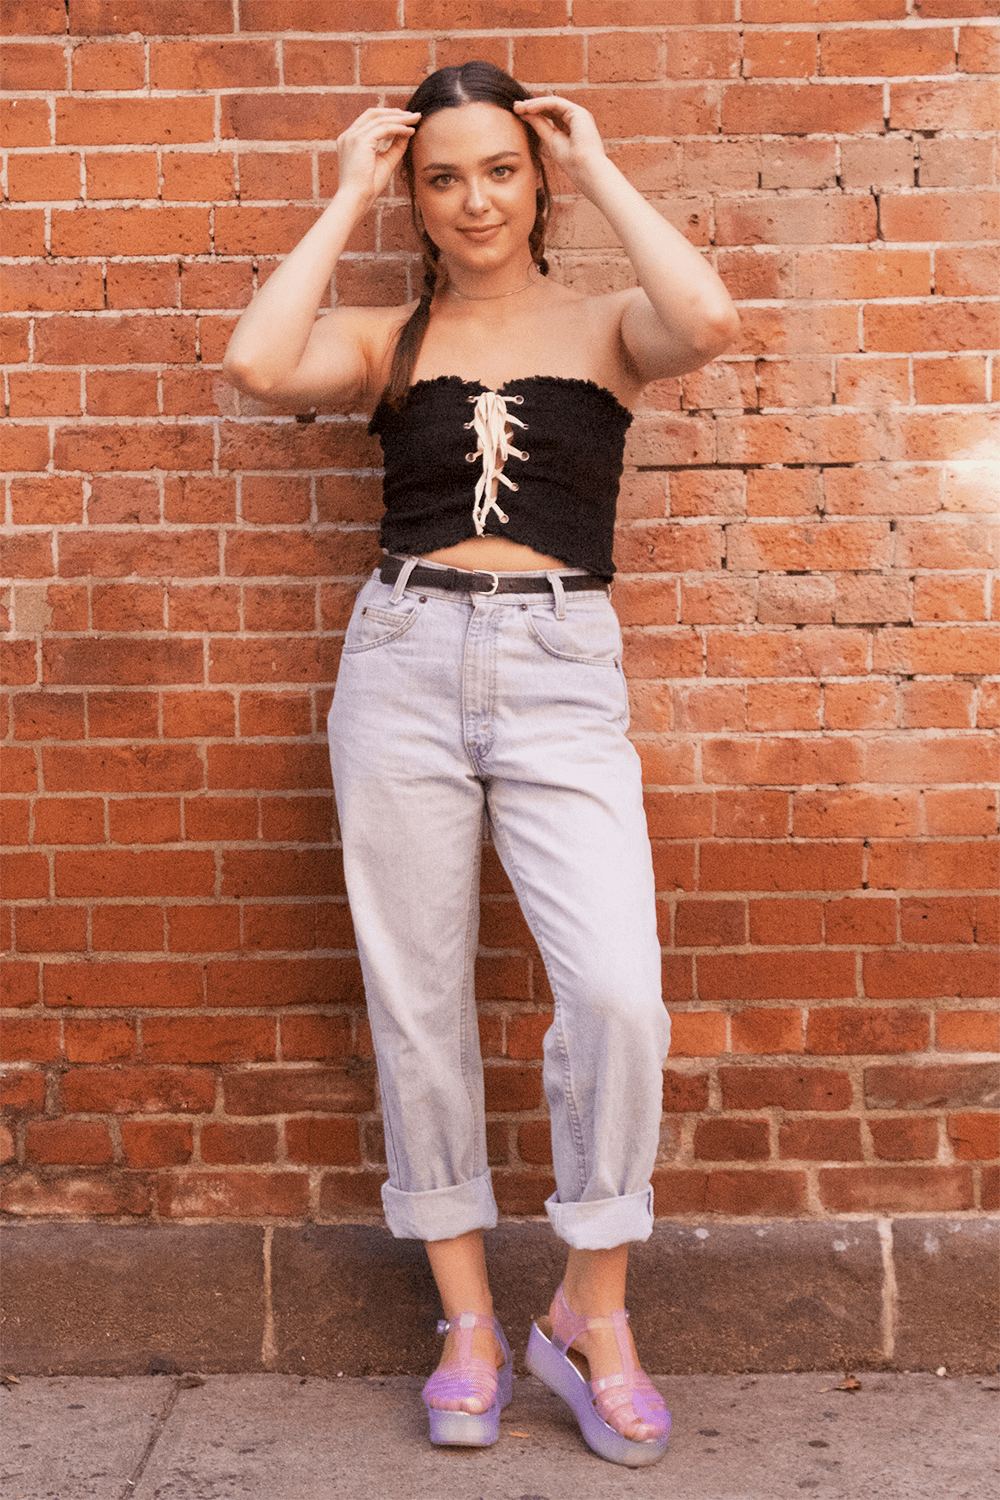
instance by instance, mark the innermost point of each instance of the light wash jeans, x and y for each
(449, 707)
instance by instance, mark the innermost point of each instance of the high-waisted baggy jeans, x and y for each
(451, 708)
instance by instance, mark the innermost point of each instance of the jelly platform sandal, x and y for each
(594, 1402)
(466, 1376)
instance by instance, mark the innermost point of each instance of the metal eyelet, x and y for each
(524, 457)
(515, 486)
(472, 400)
(468, 426)
(470, 458)
(517, 400)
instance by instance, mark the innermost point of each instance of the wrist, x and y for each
(353, 199)
(595, 174)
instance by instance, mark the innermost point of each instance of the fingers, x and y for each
(544, 101)
(371, 148)
(566, 130)
(550, 109)
(402, 123)
(568, 133)
(380, 129)
(391, 147)
(386, 115)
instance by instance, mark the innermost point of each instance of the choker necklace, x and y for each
(496, 296)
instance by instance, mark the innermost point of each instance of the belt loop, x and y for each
(559, 593)
(403, 579)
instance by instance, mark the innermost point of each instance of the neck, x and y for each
(490, 289)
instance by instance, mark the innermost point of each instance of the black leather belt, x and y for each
(482, 581)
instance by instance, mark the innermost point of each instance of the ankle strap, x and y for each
(466, 1320)
(568, 1325)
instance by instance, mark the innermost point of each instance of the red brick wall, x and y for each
(808, 589)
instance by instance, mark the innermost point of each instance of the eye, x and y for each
(502, 172)
(442, 180)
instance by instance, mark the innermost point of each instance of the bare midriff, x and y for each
(494, 554)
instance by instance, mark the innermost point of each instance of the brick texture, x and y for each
(808, 560)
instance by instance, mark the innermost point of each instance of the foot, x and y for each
(597, 1354)
(485, 1348)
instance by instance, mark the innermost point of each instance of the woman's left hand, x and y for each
(680, 316)
(567, 131)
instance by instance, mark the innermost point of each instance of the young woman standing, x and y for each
(481, 681)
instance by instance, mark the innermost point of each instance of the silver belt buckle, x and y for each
(486, 573)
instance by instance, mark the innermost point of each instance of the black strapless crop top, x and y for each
(538, 462)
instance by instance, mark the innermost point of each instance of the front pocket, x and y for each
(592, 636)
(371, 627)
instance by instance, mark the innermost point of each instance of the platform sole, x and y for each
(563, 1378)
(464, 1429)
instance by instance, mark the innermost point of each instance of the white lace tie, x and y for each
(491, 420)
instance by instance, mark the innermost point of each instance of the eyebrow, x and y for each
(487, 161)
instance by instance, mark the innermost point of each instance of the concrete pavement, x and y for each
(287, 1437)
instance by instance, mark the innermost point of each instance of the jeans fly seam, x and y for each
(469, 741)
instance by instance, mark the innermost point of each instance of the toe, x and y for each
(474, 1405)
(642, 1432)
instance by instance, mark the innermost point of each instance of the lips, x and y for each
(481, 231)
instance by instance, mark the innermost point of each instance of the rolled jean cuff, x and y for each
(604, 1224)
(441, 1213)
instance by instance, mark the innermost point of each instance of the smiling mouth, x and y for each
(481, 230)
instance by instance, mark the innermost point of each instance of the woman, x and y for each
(481, 678)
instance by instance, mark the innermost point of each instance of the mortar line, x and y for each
(154, 1438)
(268, 1346)
(890, 1290)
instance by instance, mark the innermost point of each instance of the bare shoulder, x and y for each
(634, 341)
(585, 314)
(590, 324)
(607, 309)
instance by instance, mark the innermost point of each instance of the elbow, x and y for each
(244, 378)
(732, 326)
(719, 332)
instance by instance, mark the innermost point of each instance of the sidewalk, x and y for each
(282, 1437)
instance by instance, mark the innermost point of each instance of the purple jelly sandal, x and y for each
(594, 1403)
(466, 1376)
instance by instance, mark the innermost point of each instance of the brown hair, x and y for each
(469, 83)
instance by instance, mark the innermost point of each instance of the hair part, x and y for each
(469, 83)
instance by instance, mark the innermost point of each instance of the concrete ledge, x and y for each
(323, 1299)
(124, 1299)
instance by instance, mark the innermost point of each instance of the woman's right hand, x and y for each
(370, 149)
(280, 351)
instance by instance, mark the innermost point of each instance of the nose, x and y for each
(475, 196)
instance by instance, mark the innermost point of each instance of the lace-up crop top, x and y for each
(538, 462)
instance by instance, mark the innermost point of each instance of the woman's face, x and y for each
(475, 184)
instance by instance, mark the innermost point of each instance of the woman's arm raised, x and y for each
(681, 315)
(279, 350)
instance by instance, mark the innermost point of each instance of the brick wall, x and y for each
(808, 586)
